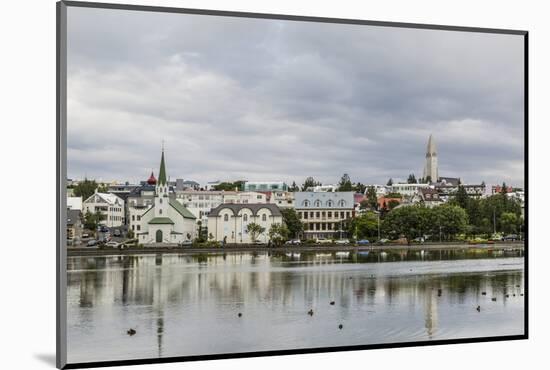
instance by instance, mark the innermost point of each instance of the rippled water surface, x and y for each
(183, 305)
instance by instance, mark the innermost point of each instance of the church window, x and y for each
(225, 217)
(245, 217)
(264, 217)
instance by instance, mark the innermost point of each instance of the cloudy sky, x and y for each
(256, 99)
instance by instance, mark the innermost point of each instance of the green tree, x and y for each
(92, 220)
(229, 186)
(292, 222)
(408, 222)
(461, 198)
(448, 220)
(509, 222)
(411, 179)
(309, 183)
(392, 204)
(364, 226)
(294, 187)
(85, 189)
(360, 188)
(254, 230)
(345, 183)
(278, 234)
(372, 199)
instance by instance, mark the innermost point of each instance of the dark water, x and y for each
(183, 305)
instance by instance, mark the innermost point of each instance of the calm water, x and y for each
(183, 305)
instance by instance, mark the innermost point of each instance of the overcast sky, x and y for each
(256, 99)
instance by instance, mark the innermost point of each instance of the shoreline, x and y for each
(86, 251)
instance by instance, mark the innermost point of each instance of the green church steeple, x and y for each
(162, 172)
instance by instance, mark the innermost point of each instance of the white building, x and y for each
(228, 222)
(283, 199)
(408, 190)
(167, 221)
(323, 188)
(109, 205)
(200, 203)
(244, 197)
(74, 203)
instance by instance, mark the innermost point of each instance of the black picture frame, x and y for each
(61, 172)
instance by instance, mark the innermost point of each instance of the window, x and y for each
(133, 217)
(305, 203)
(133, 227)
(341, 203)
(138, 227)
(330, 203)
(160, 211)
(310, 214)
(264, 217)
(160, 200)
(139, 218)
(323, 214)
(317, 214)
(329, 214)
(317, 203)
(341, 214)
(226, 217)
(245, 217)
(305, 215)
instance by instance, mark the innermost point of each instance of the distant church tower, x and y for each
(430, 168)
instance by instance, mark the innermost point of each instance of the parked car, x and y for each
(323, 241)
(116, 232)
(293, 242)
(112, 244)
(383, 240)
(91, 243)
(510, 238)
(185, 243)
(362, 242)
(420, 239)
(342, 241)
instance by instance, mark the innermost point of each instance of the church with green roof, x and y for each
(167, 221)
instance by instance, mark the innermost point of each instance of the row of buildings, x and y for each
(158, 211)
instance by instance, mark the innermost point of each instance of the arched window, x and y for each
(305, 203)
(317, 203)
(226, 217)
(341, 203)
(264, 217)
(329, 203)
(160, 200)
(245, 217)
(160, 211)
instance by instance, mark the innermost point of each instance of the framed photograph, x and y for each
(237, 184)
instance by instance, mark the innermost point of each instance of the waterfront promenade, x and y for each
(87, 251)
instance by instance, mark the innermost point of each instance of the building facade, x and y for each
(265, 186)
(166, 221)
(324, 214)
(229, 222)
(109, 205)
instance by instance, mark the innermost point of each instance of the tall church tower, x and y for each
(161, 191)
(430, 168)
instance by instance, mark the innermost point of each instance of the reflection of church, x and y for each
(167, 221)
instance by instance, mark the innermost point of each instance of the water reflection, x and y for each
(188, 304)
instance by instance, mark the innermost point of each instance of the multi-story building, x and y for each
(244, 197)
(408, 190)
(74, 203)
(229, 222)
(200, 203)
(324, 214)
(264, 186)
(109, 205)
(283, 199)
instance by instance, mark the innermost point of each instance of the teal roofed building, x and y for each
(167, 221)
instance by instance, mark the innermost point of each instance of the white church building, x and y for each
(167, 221)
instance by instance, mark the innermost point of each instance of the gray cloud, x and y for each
(266, 100)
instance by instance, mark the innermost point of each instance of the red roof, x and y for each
(152, 180)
